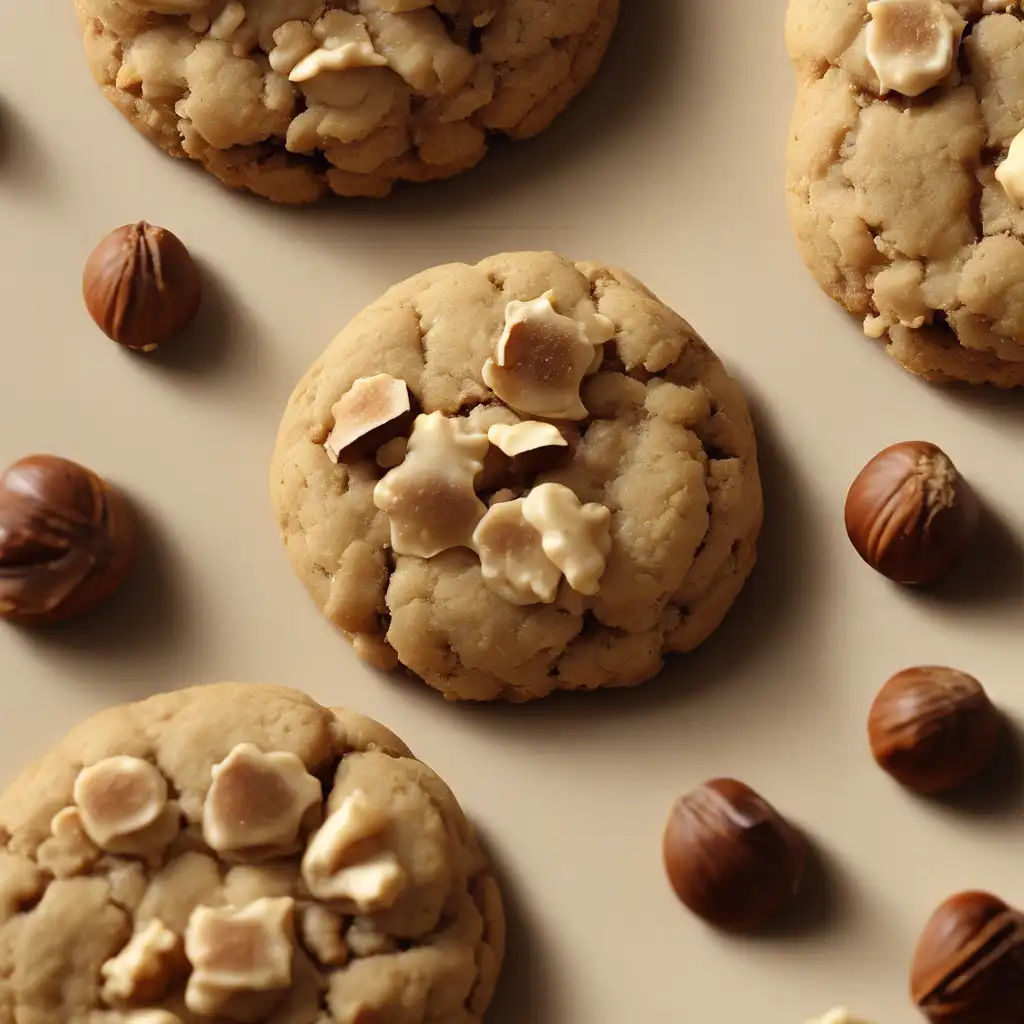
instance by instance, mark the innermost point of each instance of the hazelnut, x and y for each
(731, 857)
(968, 966)
(67, 540)
(141, 286)
(932, 729)
(910, 514)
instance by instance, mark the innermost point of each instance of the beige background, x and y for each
(671, 166)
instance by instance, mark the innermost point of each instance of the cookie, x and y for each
(518, 477)
(905, 176)
(239, 853)
(295, 99)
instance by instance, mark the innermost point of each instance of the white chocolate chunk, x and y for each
(512, 558)
(369, 407)
(257, 800)
(912, 44)
(1010, 173)
(142, 970)
(541, 358)
(344, 43)
(523, 437)
(292, 41)
(342, 864)
(228, 22)
(238, 951)
(838, 1016)
(119, 796)
(430, 498)
(576, 537)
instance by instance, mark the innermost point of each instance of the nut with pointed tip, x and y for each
(731, 857)
(968, 966)
(910, 514)
(933, 729)
(68, 540)
(141, 286)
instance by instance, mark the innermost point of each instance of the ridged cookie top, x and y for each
(577, 570)
(240, 852)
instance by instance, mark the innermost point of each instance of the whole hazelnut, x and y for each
(968, 966)
(932, 729)
(731, 858)
(67, 540)
(141, 286)
(910, 514)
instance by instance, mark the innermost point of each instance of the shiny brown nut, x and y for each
(932, 729)
(731, 857)
(141, 286)
(910, 514)
(67, 540)
(968, 966)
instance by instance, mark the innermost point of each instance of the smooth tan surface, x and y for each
(671, 166)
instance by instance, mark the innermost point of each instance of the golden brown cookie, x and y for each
(906, 176)
(294, 99)
(240, 853)
(518, 477)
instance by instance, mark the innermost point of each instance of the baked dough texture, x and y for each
(294, 99)
(71, 913)
(895, 202)
(668, 446)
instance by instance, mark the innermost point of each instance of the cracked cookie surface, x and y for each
(158, 867)
(665, 445)
(295, 99)
(897, 202)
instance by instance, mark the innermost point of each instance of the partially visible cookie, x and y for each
(906, 176)
(295, 99)
(518, 477)
(240, 853)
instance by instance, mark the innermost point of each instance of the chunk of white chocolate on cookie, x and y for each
(430, 499)
(257, 800)
(839, 1016)
(344, 43)
(542, 357)
(372, 412)
(123, 805)
(574, 536)
(235, 952)
(141, 972)
(346, 861)
(912, 44)
(528, 436)
(1010, 173)
(512, 558)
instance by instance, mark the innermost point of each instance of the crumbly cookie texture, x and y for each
(295, 99)
(908, 207)
(287, 918)
(562, 566)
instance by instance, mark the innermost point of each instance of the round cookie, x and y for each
(905, 189)
(294, 99)
(569, 544)
(240, 853)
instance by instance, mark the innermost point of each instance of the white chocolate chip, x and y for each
(512, 558)
(140, 973)
(912, 44)
(238, 951)
(576, 537)
(341, 862)
(119, 796)
(344, 43)
(430, 498)
(372, 407)
(541, 358)
(228, 22)
(321, 931)
(525, 437)
(1010, 173)
(257, 800)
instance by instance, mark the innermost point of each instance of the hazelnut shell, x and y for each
(909, 513)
